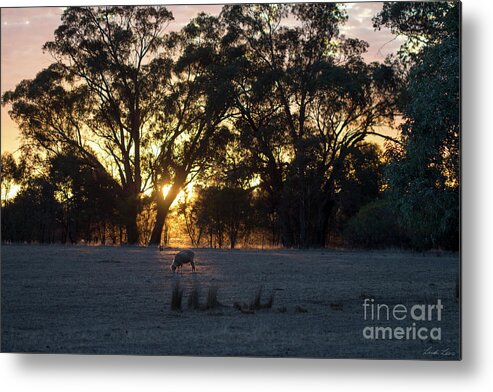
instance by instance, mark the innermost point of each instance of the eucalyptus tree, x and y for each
(305, 98)
(424, 176)
(99, 98)
(108, 49)
(191, 117)
(143, 106)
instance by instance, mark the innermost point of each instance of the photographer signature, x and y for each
(443, 352)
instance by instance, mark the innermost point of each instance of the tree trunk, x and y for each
(157, 230)
(131, 224)
(319, 214)
(163, 206)
(232, 239)
(303, 233)
(287, 228)
(321, 228)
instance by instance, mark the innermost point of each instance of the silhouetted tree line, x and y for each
(270, 120)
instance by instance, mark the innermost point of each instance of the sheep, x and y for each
(183, 257)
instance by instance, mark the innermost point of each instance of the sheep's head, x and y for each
(173, 267)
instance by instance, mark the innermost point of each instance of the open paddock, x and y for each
(116, 300)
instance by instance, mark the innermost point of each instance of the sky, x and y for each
(25, 30)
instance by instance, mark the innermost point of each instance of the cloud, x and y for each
(360, 25)
(183, 13)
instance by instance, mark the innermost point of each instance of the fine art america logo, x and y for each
(406, 321)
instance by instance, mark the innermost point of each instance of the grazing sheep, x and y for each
(183, 257)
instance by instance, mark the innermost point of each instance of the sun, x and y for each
(187, 193)
(166, 189)
(10, 193)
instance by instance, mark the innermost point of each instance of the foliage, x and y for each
(304, 98)
(424, 173)
(195, 98)
(422, 23)
(375, 226)
(99, 97)
(224, 212)
(33, 215)
(269, 119)
(361, 181)
(11, 174)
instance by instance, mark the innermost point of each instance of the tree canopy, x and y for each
(267, 110)
(424, 176)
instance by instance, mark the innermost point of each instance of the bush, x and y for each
(375, 226)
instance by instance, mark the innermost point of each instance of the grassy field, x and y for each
(65, 299)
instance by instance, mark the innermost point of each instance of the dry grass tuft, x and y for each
(176, 297)
(301, 309)
(244, 308)
(269, 303)
(257, 300)
(193, 299)
(256, 304)
(212, 301)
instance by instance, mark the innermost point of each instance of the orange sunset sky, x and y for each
(25, 30)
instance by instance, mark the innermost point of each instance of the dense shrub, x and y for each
(375, 226)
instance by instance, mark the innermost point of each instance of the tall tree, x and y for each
(106, 52)
(191, 114)
(424, 177)
(140, 106)
(306, 97)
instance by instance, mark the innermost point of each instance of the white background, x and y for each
(93, 373)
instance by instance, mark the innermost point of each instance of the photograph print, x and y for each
(254, 180)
